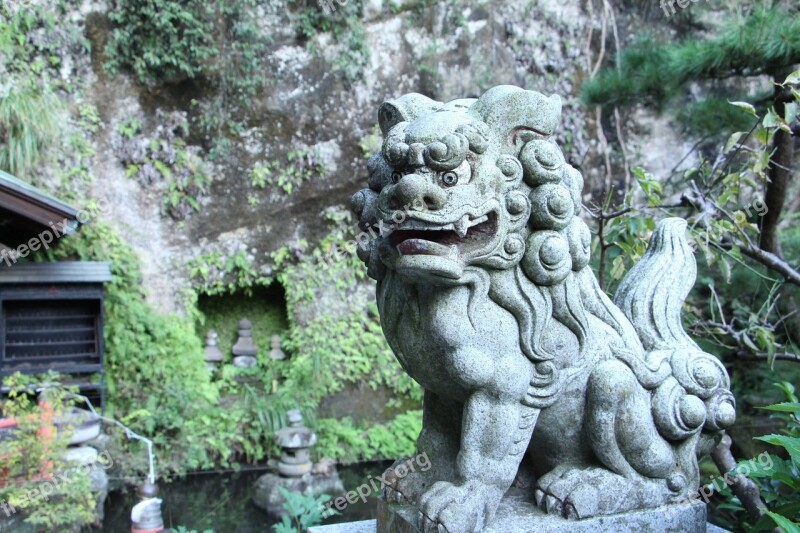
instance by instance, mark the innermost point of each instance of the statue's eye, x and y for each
(396, 176)
(449, 178)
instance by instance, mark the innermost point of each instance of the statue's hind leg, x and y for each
(637, 467)
(620, 426)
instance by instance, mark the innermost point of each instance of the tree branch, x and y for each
(769, 260)
(744, 488)
(779, 173)
(747, 356)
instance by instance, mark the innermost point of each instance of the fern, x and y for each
(28, 125)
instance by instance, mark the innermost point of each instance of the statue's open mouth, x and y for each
(424, 238)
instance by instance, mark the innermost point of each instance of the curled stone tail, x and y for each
(652, 293)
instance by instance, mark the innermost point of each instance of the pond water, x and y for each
(223, 502)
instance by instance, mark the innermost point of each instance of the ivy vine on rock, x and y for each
(164, 157)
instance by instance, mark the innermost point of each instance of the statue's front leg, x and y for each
(495, 434)
(439, 442)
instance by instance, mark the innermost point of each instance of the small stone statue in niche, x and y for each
(245, 349)
(488, 301)
(276, 352)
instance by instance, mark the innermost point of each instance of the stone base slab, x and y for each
(518, 514)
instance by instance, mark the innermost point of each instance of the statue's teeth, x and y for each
(480, 220)
(461, 226)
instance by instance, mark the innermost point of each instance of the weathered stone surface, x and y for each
(517, 513)
(83, 425)
(82, 455)
(371, 526)
(470, 226)
(268, 497)
(362, 526)
(443, 50)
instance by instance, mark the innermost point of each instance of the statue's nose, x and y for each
(417, 193)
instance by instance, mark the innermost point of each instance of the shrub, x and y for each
(34, 480)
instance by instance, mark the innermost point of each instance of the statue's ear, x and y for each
(405, 109)
(518, 115)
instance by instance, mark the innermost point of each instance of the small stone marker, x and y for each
(245, 349)
(213, 355)
(276, 353)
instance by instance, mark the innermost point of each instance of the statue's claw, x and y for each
(461, 508)
(585, 492)
(570, 493)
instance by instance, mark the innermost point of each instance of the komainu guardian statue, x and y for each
(488, 301)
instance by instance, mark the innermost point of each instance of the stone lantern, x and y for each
(295, 471)
(213, 355)
(275, 352)
(295, 441)
(245, 349)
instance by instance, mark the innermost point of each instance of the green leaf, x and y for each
(618, 268)
(725, 267)
(785, 407)
(793, 78)
(745, 106)
(790, 112)
(770, 119)
(790, 444)
(762, 162)
(784, 523)
(733, 140)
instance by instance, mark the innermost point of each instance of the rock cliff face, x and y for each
(311, 124)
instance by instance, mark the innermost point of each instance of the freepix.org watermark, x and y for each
(374, 231)
(420, 462)
(669, 5)
(51, 487)
(56, 231)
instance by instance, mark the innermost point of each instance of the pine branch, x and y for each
(766, 41)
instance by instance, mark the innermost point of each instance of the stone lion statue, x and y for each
(488, 301)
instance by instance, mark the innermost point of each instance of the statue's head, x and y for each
(473, 182)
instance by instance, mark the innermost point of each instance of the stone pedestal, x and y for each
(518, 514)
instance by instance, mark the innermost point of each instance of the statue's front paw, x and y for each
(402, 486)
(458, 508)
(567, 492)
(578, 493)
